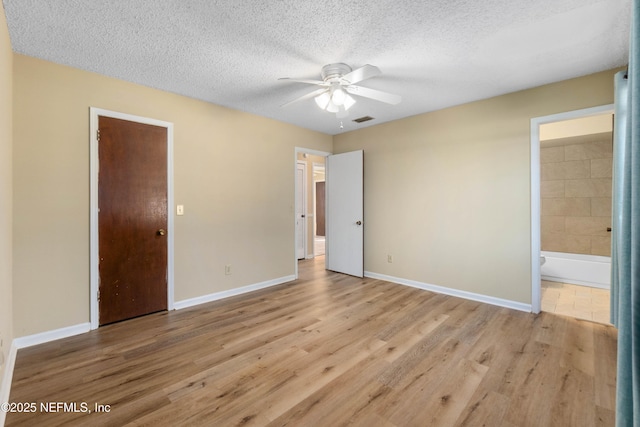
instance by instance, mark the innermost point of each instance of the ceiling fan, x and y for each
(338, 83)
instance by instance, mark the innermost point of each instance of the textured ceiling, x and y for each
(434, 53)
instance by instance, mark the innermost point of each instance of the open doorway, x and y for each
(319, 212)
(571, 266)
(344, 209)
(310, 213)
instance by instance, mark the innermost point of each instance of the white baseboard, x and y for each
(56, 334)
(453, 292)
(231, 292)
(7, 377)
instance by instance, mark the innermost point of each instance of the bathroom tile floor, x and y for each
(581, 302)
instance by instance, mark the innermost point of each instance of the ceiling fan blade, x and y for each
(362, 73)
(307, 96)
(378, 95)
(311, 82)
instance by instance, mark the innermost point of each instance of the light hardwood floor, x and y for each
(329, 350)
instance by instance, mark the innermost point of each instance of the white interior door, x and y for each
(344, 204)
(300, 210)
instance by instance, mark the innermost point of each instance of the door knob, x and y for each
(161, 232)
(358, 222)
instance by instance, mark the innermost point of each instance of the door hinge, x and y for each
(98, 135)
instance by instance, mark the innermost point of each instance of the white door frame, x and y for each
(305, 231)
(295, 193)
(93, 202)
(535, 189)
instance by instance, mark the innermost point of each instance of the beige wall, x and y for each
(230, 216)
(447, 193)
(6, 299)
(575, 190)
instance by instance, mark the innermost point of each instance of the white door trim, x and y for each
(93, 202)
(535, 189)
(295, 192)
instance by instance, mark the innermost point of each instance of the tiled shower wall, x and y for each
(575, 188)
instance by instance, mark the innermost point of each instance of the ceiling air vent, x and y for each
(363, 119)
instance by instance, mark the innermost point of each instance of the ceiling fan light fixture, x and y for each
(327, 100)
(323, 100)
(332, 108)
(338, 95)
(348, 102)
(339, 81)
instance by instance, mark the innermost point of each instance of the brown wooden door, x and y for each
(132, 219)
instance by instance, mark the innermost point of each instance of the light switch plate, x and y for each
(180, 210)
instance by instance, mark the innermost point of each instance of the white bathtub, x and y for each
(588, 270)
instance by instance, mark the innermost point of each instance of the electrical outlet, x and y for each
(227, 269)
(389, 259)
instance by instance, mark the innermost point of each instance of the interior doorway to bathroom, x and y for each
(575, 170)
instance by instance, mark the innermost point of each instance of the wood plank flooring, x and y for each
(327, 350)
